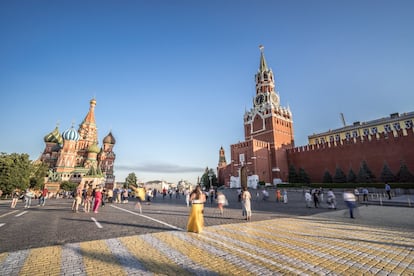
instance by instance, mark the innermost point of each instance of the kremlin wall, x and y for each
(393, 150)
(269, 149)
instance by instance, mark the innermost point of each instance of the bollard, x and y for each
(409, 202)
(380, 199)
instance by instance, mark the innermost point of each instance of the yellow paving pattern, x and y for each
(98, 259)
(43, 261)
(199, 255)
(288, 246)
(152, 259)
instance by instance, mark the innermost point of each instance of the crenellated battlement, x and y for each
(393, 149)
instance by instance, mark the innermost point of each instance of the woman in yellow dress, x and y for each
(196, 220)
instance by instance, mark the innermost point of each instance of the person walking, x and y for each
(28, 198)
(43, 197)
(98, 199)
(308, 199)
(221, 202)
(187, 197)
(349, 198)
(388, 190)
(196, 218)
(15, 198)
(77, 199)
(246, 198)
(331, 199)
(87, 201)
(365, 195)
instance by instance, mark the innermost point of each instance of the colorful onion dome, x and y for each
(71, 134)
(109, 139)
(54, 137)
(94, 148)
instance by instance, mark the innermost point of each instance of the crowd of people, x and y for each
(91, 199)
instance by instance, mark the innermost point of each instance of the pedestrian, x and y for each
(315, 194)
(98, 199)
(365, 194)
(149, 196)
(187, 197)
(265, 195)
(331, 199)
(246, 197)
(308, 199)
(349, 198)
(285, 197)
(356, 193)
(28, 198)
(43, 196)
(196, 219)
(110, 195)
(87, 201)
(278, 196)
(388, 190)
(221, 202)
(15, 198)
(140, 195)
(77, 199)
(125, 196)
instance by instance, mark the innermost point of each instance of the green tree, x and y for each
(303, 176)
(404, 174)
(131, 179)
(365, 175)
(352, 178)
(38, 174)
(339, 176)
(386, 174)
(15, 172)
(205, 178)
(68, 186)
(293, 176)
(327, 177)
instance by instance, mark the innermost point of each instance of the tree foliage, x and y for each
(386, 174)
(351, 178)
(68, 186)
(131, 180)
(404, 174)
(303, 176)
(365, 175)
(205, 178)
(339, 176)
(327, 177)
(15, 172)
(293, 176)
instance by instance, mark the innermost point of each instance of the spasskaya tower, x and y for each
(268, 129)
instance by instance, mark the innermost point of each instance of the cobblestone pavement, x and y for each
(327, 243)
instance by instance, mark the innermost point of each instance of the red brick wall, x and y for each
(316, 159)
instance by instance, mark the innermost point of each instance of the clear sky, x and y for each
(172, 79)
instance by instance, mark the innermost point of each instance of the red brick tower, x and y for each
(268, 130)
(268, 121)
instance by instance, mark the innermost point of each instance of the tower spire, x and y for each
(263, 65)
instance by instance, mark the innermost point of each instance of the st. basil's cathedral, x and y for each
(75, 155)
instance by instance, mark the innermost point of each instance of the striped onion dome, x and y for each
(54, 137)
(71, 134)
(94, 148)
(109, 139)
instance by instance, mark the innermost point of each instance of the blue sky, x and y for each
(172, 79)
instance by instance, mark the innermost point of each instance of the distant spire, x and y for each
(263, 65)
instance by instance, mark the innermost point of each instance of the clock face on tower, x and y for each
(259, 99)
(275, 98)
